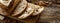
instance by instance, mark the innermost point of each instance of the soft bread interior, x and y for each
(37, 9)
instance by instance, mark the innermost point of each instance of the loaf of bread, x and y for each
(20, 8)
(5, 2)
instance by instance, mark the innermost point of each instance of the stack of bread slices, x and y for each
(20, 8)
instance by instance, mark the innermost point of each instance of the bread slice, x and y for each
(20, 8)
(5, 2)
(13, 5)
(27, 12)
(38, 10)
